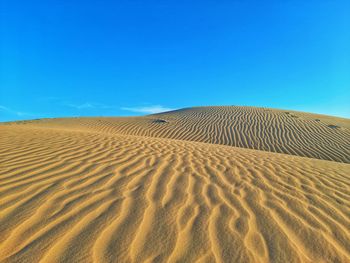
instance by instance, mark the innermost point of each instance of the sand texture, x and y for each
(295, 133)
(210, 184)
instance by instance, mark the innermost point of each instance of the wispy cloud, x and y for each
(85, 105)
(151, 109)
(89, 105)
(148, 109)
(15, 112)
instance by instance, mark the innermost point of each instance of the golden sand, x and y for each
(177, 187)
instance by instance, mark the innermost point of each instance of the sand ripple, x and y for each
(75, 195)
(294, 133)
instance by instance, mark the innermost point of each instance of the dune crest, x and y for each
(295, 133)
(108, 190)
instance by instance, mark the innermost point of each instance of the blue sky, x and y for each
(118, 58)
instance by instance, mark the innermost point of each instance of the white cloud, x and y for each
(152, 109)
(89, 105)
(85, 105)
(4, 108)
(148, 109)
(14, 112)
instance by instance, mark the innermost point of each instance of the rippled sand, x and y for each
(177, 187)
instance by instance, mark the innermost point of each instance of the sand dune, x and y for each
(296, 133)
(109, 190)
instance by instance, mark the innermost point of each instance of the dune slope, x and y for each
(73, 193)
(295, 133)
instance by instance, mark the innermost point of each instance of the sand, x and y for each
(210, 184)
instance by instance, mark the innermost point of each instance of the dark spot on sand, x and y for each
(333, 126)
(159, 121)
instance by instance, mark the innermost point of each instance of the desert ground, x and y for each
(202, 184)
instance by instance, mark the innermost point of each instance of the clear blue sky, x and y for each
(88, 58)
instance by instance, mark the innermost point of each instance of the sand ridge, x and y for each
(296, 133)
(75, 190)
